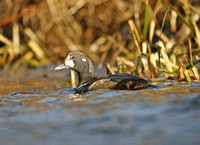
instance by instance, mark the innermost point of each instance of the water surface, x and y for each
(38, 107)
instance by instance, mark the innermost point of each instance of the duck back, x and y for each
(117, 81)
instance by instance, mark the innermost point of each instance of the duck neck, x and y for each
(86, 78)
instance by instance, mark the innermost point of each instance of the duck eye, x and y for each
(72, 57)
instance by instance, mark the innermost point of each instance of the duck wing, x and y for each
(117, 81)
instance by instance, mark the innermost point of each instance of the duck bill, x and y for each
(61, 66)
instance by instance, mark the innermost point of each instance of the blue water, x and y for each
(37, 113)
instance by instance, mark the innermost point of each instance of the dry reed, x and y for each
(147, 38)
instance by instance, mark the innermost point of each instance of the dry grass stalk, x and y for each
(169, 42)
(77, 6)
(197, 33)
(5, 40)
(36, 49)
(73, 78)
(180, 73)
(135, 34)
(152, 30)
(109, 69)
(153, 58)
(144, 60)
(28, 55)
(162, 36)
(36, 46)
(183, 34)
(153, 65)
(28, 32)
(195, 73)
(11, 56)
(161, 46)
(190, 49)
(173, 20)
(16, 37)
(122, 60)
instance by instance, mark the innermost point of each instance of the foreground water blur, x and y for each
(36, 107)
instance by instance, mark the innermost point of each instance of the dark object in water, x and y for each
(81, 64)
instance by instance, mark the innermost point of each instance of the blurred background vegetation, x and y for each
(149, 38)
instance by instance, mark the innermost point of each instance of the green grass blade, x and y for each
(146, 20)
(164, 19)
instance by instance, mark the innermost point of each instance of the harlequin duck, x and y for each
(81, 64)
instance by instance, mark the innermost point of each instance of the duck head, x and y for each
(81, 64)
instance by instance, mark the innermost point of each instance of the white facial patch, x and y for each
(69, 57)
(69, 63)
(84, 59)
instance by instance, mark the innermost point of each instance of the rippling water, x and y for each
(36, 107)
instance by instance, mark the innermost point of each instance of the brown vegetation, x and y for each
(155, 38)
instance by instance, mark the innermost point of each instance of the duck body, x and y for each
(88, 81)
(117, 82)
